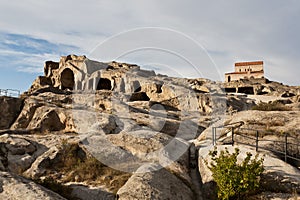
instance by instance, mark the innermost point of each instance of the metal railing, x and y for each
(254, 138)
(10, 92)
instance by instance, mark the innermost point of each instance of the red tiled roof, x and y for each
(249, 63)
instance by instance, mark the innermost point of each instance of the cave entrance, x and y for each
(139, 96)
(230, 90)
(104, 84)
(67, 79)
(246, 90)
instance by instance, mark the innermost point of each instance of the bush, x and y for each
(270, 106)
(235, 180)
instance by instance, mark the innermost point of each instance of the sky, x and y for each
(192, 38)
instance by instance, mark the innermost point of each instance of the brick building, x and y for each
(246, 70)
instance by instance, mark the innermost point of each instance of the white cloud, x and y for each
(231, 30)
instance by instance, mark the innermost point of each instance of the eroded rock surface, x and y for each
(91, 130)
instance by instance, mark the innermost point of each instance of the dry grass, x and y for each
(77, 168)
(271, 106)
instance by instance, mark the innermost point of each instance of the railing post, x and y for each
(285, 148)
(256, 140)
(232, 136)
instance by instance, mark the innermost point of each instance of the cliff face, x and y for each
(90, 130)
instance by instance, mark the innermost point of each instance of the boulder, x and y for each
(38, 167)
(18, 188)
(19, 163)
(90, 193)
(157, 183)
(9, 108)
(17, 145)
(154, 147)
(46, 119)
(24, 118)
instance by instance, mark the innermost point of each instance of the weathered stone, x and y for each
(19, 163)
(10, 109)
(15, 187)
(44, 119)
(155, 184)
(90, 193)
(17, 146)
(38, 167)
(30, 105)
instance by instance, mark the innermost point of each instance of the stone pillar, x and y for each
(78, 85)
(95, 83)
(87, 84)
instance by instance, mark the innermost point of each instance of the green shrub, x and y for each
(235, 180)
(270, 106)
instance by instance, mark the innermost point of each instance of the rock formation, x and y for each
(94, 130)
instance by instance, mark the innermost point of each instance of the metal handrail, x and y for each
(257, 140)
(10, 92)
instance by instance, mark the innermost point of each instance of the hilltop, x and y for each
(95, 130)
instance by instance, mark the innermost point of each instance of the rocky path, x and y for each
(194, 172)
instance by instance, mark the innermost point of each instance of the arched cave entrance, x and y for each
(139, 96)
(104, 84)
(67, 79)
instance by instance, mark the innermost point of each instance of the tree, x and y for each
(235, 180)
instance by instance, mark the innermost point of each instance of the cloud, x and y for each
(230, 30)
(28, 54)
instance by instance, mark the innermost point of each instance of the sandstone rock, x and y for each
(49, 66)
(278, 121)
(156, 184)
(17, 188)
(30, 105)
(19, 163)
(40, 82)
(90, 193)
(128, 118)
(46, 118)
(16, 145)
(99, 146)
(152, 147)
(38, 167)
(9, 108)
(239, 103)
